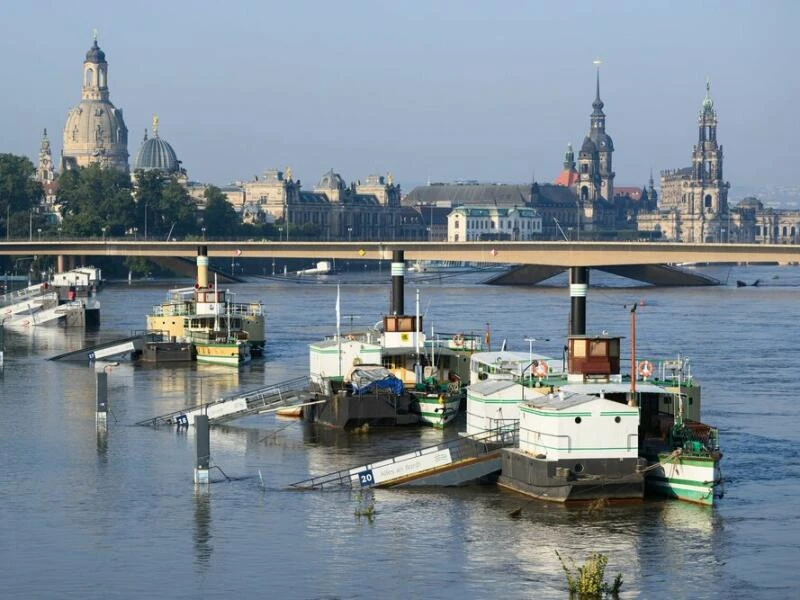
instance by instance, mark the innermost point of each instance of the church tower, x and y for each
(595, 170)
(707, 183)
(44, 172)
(95, 131)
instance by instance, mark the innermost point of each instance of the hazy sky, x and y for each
(446, 90)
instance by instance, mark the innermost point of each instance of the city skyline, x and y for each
(429, 92)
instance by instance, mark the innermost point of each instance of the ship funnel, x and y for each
(202, 266)
(398, 282)
(578, 286)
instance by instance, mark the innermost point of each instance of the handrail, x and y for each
(465, 447)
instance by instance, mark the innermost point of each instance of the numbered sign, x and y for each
(366, 478)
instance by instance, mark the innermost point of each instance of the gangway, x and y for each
(459, 461)
(32, 291)
(43, 316)
(293, 392)
(116, 347)
(28, 305)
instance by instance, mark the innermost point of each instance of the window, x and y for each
(456, 224)
(89, 77)
(707, 201)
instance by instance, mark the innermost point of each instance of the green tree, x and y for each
(163, 206)
(19, 193)
(220, 218)
(93, 198)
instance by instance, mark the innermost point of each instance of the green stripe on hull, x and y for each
(699, 496)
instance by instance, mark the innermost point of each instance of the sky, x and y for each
(427, 90)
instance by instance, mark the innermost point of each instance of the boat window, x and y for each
(578, 468)
(617, 419)
(578, 420)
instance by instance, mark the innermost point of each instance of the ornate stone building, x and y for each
(694, 200)
(333, 210)
(45, 174)
(595, 173)
(95, 131)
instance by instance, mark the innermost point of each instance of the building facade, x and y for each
(483, 223)
(333, 210)
(95, 131)
(693, 206)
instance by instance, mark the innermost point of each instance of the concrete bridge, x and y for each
(549, 257)
(557, 254)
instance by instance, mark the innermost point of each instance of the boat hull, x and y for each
(556, 481)
(228, 354)
(438, 411)
(695, 479)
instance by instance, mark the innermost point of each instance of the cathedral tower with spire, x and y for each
(95, 131)
(595, 172)
(694, 200)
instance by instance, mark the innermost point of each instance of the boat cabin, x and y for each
(593, 358)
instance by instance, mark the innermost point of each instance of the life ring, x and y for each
(352, 338)
(458, 340)
(645, 369)
(541, 369)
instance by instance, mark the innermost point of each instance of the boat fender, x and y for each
(541, 369)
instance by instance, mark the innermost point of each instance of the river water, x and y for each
(87, 514)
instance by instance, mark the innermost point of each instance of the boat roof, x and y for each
(596, 389)
(333, 343)
(555, 402)
(507, 356)
(492, 386)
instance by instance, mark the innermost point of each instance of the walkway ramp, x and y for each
(27, 293)
(105, 350)
(293, 392)
(28, 305)
(455, 462)
(42, 316)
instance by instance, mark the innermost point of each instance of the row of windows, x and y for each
(777, 231)
(488, 224)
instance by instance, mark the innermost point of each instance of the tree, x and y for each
(163, 206)
(93, 198)
(19, 192)
(220, 219)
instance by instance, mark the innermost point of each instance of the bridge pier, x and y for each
(398, 281)
(578, 287)
(60, 265)
(203, 450)
(101, 394)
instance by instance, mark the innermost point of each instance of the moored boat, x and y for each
(199, 308)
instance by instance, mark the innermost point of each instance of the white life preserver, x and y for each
(645, 369)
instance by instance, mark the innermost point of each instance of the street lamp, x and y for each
(39, 231)
(280, 233)
(104, 233)
(203, 229)
(349, 234)
(59, 233)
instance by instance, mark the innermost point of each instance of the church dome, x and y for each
(96, 129)
(603, 142)
(331, 181)
(95, 54)
(156, 153)
(588, 146)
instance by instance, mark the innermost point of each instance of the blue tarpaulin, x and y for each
(370, 379)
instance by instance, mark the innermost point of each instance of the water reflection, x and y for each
(202, 527)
